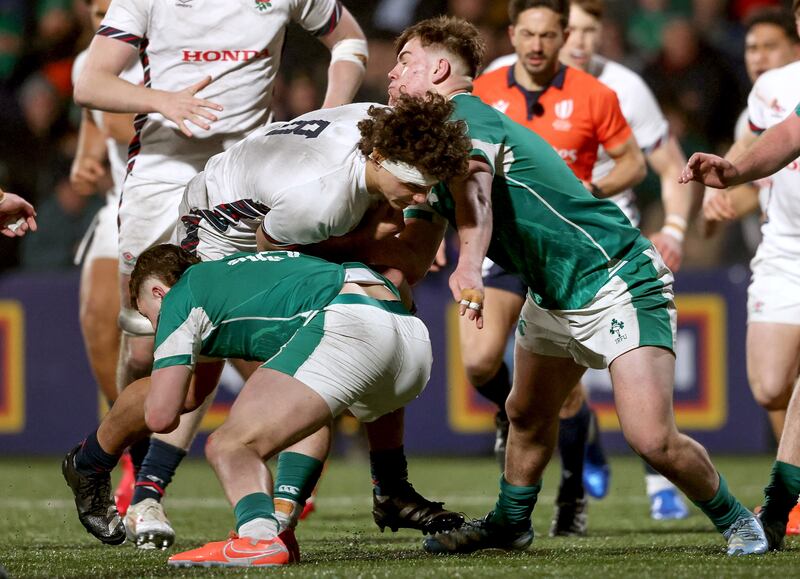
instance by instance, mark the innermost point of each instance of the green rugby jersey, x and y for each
(245, 306)
(547, 228)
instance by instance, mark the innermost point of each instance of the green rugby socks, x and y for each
(515, 504)
(723, 509)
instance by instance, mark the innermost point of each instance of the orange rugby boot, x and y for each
(793, 526)
(235, 552)
(123, 495)
(308, 508)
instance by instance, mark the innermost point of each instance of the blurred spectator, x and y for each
(63, 219)
(646, 25)
(692, 75)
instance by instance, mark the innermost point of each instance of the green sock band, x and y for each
(515, 504)
(780, 495)
(253, 506)
(296, 476)
(724, 509)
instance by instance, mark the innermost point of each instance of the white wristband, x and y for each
(352, 50)
(676, 220)
(673, 231)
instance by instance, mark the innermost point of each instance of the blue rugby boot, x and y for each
(746, 537)
(480, 534)
(596, 479)
(668, 505)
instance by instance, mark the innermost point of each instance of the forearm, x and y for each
(167, 396)
(628, 171)
(107, 92)
(772, 151)
(474, 222)
(91, 141)
(344, 79)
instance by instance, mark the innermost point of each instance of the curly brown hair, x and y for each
(418, 131)
(456, 35)
(165, 262)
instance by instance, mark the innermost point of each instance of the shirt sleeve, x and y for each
(646, 119)
(182, 326)
(612, 128)
(127, 21)
(319, 17)
(756, 108)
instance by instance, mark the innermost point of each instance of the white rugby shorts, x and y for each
(774, 292)
(369, 356)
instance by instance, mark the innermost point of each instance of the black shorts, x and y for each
(498, 278)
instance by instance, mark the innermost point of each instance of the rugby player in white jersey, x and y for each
(773, 304)
(361, 154)
(306, 183)
(664, 155)
(209, 69)
(103, 139)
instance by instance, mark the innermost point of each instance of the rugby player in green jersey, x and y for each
(599, 296)
(334, 337)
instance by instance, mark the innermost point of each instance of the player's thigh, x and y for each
(273, 411)
(148, 214)
(99, 294)
(541, 384)
(773, 359)
(482, 350)
(643, 381)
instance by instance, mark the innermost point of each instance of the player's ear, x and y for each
(442, 71)
(158, 291)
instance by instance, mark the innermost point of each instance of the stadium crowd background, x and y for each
(689, 52)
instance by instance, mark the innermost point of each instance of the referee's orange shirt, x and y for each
(575, 113)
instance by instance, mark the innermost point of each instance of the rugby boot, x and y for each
(774, 530)
(500, 438)
(308, 508)
(96, 509)
(596, 479)
(793, 526)
(570, 519)
(480, 534)
(407, 509)
(123, 494)
(290, 541)
(148, 527)
(668, 505)
(746, 537)
(235, 552)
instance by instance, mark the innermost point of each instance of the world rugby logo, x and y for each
(563, 110)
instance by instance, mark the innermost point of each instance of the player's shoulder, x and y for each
(580, 83)
(470, 107)
(773, 81)
(617, 76)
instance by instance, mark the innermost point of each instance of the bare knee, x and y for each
(481, 367)
(771, 390)
(652, 445)
(218, 445)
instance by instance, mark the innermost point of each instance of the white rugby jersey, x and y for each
(236, 42)
(641, 110)
(308, 172)
(774, 97)
(117, 152)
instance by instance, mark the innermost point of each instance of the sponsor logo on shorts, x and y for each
(616, 331)
(223, 55)
(184, 3)
(758, 307)
(263, 5)
(521, 324)
(128, 258)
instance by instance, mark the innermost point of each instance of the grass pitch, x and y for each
(40, 535)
